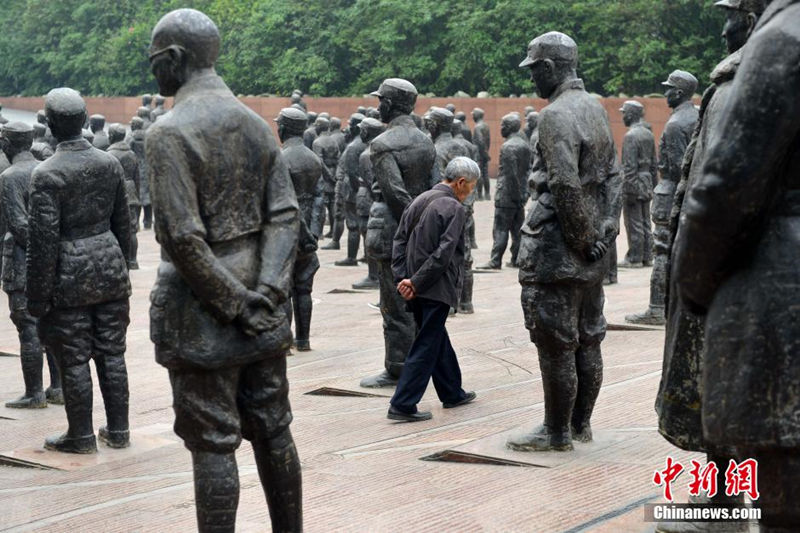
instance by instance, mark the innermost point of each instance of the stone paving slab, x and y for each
(360, 471)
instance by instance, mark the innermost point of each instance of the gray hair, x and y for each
(462, 167)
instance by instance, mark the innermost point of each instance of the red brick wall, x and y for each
(121, 109)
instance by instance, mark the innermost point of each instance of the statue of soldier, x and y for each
(735, 265)
(465, 131)
(679, 398)
(565, 238)
(147, 101)
(465, 303)
(77, 281)
(16, 139)
(347, 184)
(305, 169)
(531, 122)
(403, 160)
(327, 148)
(40, 148)
(369, 128)
(130, 164)
(137, 145)
(228, 251)
(159, 109)
(681, 86)
(144, 175)
(97, 123)
(511, 192)
(483, 140)
(311, 132)
(373, 112)
(639, 178)
(352, 130)
(144, 113)
(297, 99)
(337, 133)
(41, 118)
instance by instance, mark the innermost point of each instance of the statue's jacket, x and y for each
(639, 164)
(512, 177)
(15, 183)
(79, 230)
(130, 164)
(227, 219)
(580, 199)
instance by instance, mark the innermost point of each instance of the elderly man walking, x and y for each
(428, 264)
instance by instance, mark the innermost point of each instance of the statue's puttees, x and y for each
(347, 178)
(640, 176)
(511, 192)
(681, 86)
(482, 138)
(305, 169)
(16, 140)
(228, 250)
(130, 164)
(566, 235)
(77, 279)
(97, 123)
(403, 160)
(369, 128)
(680, 398)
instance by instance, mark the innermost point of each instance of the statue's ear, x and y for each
(752, 20)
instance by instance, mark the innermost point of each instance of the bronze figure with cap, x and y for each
(565, 237)
(228, 249)
(368, 128)
(483, 140)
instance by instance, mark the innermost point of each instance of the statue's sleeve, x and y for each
(560, 147)
(387, 173)
(630, 158)
(180, 229)
(726, 206)
(280, 232)
(15, 209)
(44, 222)
(121, 216)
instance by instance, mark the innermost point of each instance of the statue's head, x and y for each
(137, 123)
(741, 18)
(532, 119)
(632, 112)
(143, 113)
(681, 86)
(39, 131)
(16, 137)
(552, 59)
(292, 122)
(159, 99)
(510, 124)
(116, 133)
(460, 115)
(66, 113)
(451, 107)
(477, 114)
(183, 41)
(312, 117)
(336, 124)
(397, 97)
(528, 110)
(439, 120)
(458, 127)
(355, 120)
(369, 128)
(147, 100)
(97, 122)
(41, 117)
(322, 124)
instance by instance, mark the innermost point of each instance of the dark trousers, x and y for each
(431, 355)
(506, 220)
(637, 225)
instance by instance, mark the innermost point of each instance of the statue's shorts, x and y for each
(215, 409)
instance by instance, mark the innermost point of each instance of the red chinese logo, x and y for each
(667, 476)
(740, 478)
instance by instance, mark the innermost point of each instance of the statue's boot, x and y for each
(654, 316)
(79, 438)
(560, 389)
(589, 368)
(465, 305)
(113, 377)
(333, 245)
(31, 359)
(353, 240)
(216, 491)
(133, 264)
(302, 310)
(54, 393)
(384, 379)
(371, 281)
(279, 470)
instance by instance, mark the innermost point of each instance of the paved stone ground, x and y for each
(361, 472)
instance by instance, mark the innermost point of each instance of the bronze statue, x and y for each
(130, 164)
(159, 109)
(369, 128)
(310, 134)
(16, 139)
(403, 160)
(97, 123)
(483, 140)
(228, 250)
(564, 240)
(681, 86)
(144, 175)
(327, 148)
(77, 281)
(347, 183)
(137, 145)
(40, 148)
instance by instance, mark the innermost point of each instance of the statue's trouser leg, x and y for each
(55, 375)
(469, 278)
(148, 216)
(647, 232)
(279, 470)
(658, 278)
(483, 181)
(588, 358)
(517, 219)
(288, 306)
(611, 260)
(305, 268)
(30, 349)
(372, 268)
(398, 323)
(338, 218)
(216, 491)
(302, 311)
(471, 230)
(69, 334)
(634, 227)
(110, 324)
(552, 312)
(503, 218)
(353, 233)
(330, 206)
(780, 494)
(134, 236)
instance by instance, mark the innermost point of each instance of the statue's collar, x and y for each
(726, 69)
(402, 120)
(209, 82)
(75, 145)
(292, 141)
(569, 85)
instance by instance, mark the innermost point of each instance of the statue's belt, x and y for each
(83, 232)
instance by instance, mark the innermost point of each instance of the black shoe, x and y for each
(584, 434)
(114, 439)
(366, 284)
(542, 440)
(54, 396)
(419, 416)
(65, 444)
(466, 309)
(468, 397)
(37, 401)
(346, 262)
(302, 345)
(333, 245)
(384, 379)
(488, 266)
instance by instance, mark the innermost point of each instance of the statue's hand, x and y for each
(598, 251)
(258, 314)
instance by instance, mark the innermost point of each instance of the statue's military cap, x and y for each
(631, 104)
(680, 79)
(751, 6)
(555, 46)
(440, 116)
(293, 118)
(398, 90)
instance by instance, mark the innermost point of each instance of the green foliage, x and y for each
(346, 47)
